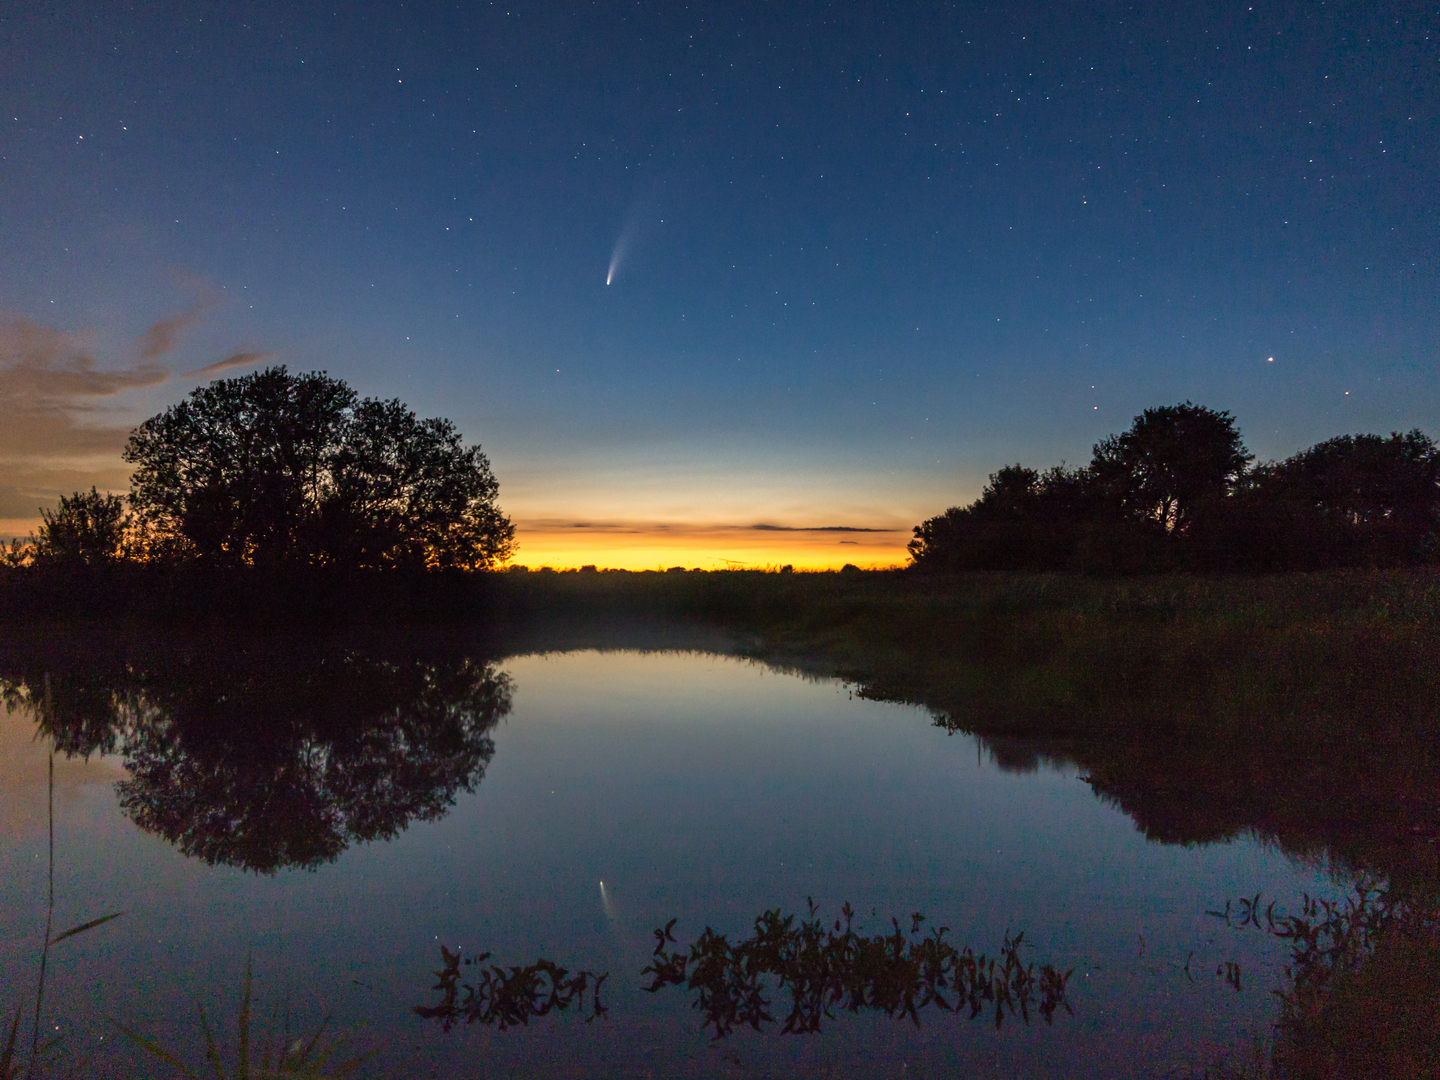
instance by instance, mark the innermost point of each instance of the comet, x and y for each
(617, 256)
(606, 903)
(639, 224)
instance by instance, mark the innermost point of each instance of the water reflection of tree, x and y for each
(1368, 800)
(273, 754)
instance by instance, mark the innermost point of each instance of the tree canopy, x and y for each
(1171, 461)
(274, 468)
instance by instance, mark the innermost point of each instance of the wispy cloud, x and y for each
(814, 529)
(234, 360)
(159, 339)
(48, 380)
(59, 430)
(697, 528)
(61, 425)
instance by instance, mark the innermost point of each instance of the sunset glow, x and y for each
(650, 546)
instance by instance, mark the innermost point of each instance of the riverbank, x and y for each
(1304, 708)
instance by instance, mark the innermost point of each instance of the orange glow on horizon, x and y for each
(624, 546)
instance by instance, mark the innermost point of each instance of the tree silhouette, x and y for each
(274, 468)
(1172, 461)
(1175, 492)
(1358, 498)
(1024, 519)
(86, 529)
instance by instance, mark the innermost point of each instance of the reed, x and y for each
(280, 1055)
(14, 1062)
(1362, 997)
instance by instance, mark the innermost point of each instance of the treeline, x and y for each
(285, 473)
(1179, 491)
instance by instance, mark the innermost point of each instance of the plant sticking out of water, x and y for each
(829, 968)
(307, 1057)
(510, 997)
(12, 1065)
(1363, 993)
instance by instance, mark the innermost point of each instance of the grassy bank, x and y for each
(1309, 655)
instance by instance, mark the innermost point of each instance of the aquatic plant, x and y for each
(1363, 983)
(825, 969)
(509, 997)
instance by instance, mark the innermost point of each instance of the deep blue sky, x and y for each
(868, 253)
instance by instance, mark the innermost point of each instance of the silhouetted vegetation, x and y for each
(1363, 991)
(86, 530)
(313, 1057)
(509, 997)
(823, 969)
(828, 968)
(1176, 492)
(270, 753)
(274, 468)
(281, 471)
(278, 496)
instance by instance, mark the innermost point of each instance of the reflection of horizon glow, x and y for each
(650, 546)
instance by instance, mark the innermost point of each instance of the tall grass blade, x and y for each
(212, 1051)
(50, 907)
(242, 1052)
(86, 926)
(155, 1049)
(309, 1049)
(8, 1070)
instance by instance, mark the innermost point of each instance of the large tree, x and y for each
(1173, 461)
(274, 468)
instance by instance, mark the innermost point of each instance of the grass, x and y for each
(1362, 997)
(312, 1057)
(1063, 654)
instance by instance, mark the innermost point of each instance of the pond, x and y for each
(333, 813)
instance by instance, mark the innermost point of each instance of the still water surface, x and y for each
(695, 786)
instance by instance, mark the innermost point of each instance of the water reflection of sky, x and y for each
(694, 786)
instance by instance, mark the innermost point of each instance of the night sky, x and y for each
(858, 255)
